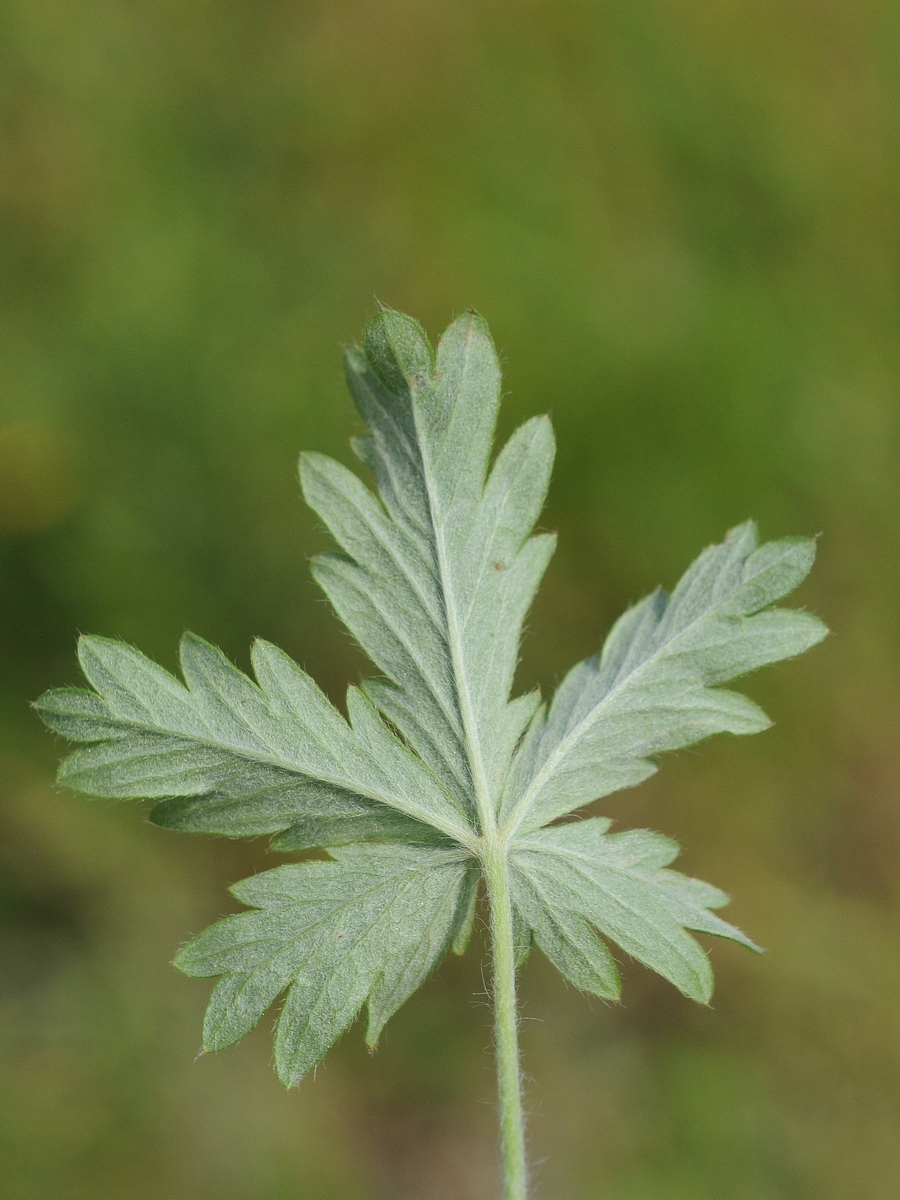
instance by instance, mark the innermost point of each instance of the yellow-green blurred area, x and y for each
(682, 221)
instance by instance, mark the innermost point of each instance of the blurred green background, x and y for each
(682, 220)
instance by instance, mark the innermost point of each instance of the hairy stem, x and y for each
(506, 1033)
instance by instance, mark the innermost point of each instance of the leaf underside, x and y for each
(369, 926)
(433, 578)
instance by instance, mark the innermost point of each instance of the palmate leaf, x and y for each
(436, 771)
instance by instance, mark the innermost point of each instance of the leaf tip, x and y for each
(290, 1079)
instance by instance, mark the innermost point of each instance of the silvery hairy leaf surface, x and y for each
(434, 572)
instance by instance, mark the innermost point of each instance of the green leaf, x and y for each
(237, 758)
(436, 579)
(652, 688)
(369, 926)
(573, 879)
(435, 773)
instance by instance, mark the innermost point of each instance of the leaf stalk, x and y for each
(506, 1031)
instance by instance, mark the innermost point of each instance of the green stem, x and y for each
(506, 1033)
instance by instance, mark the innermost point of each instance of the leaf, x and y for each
(436, 579)
(369, 926)
(573, 879)
(653, 686)
(240, 759)
(435, 773)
